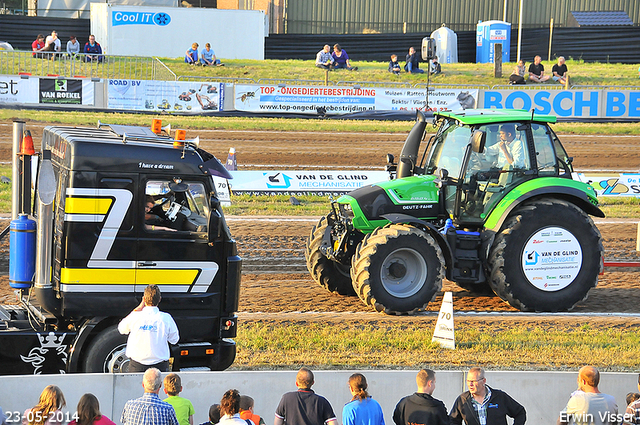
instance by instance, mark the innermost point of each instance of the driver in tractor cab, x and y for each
(151, 220)
(508, 152)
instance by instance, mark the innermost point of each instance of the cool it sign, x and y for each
(119, 17)
(552, 259)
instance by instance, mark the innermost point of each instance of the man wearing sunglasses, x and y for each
(484, 405)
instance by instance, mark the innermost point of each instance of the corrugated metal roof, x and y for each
(619, 17)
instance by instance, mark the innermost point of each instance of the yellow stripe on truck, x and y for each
(128, 276)
(87, 205)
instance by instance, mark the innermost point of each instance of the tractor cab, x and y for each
(479, 163)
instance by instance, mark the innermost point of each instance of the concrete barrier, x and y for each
(543, 394)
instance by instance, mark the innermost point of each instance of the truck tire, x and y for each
(331, 275)
(397, 269)
(527, 253)
(106, 354)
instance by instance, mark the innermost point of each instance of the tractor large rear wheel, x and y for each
(397, 269)
(546, 257)
(331, 275)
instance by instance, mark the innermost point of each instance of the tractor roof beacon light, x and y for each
(180, 137)
(156, 126)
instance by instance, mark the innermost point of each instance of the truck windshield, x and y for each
(448, 150)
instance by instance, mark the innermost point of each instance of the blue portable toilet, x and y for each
(488, 34)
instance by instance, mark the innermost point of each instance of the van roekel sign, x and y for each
(60, 91)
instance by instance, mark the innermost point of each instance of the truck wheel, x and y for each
(546, 257)
(331, 275)
(106, 354)
(397, 269)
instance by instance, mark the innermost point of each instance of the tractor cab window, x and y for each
(545, 156)
(448, 151)
(493, 173)
(564, 161)
(175, 207)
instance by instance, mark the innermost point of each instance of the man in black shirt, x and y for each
(304, 407)
(421, 408)
(559, 71)
(536, 71)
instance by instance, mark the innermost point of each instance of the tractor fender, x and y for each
(570, 194)
(428, 227)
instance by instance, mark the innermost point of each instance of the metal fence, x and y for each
(50, 64)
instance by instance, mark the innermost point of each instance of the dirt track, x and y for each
(291, 292)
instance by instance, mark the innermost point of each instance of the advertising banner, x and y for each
(342, 100)
(14, 89)
(302, 182)
(620, 185)
(169, 96)
(568, 103)
(66, 91)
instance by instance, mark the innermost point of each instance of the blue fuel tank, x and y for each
(22, 252)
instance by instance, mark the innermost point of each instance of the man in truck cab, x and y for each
(150, 333)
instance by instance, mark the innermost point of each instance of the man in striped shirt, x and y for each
(149, 409)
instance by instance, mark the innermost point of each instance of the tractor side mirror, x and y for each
(390, 159)
(478, 140)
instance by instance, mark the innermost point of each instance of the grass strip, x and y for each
(341, 345)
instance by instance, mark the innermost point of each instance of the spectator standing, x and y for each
(536, 71)
(304, 407)
(149, 409)
(362, 409)
(37, 46)
(632, 414)
(93, 50)
(412, 66)
(191, 57)
(89, 412)
(230, 409)
(47, 411)
(588, 405)
(517, 76)
(214, 415)
(559, 71)
(435, 66)
(421, 408)
(324, 59)
(394, 66)
(246, 410)
(485, 405)
(182, 406)
(73, 47)
(3, 418)
(208, 57)
(150, 333)
(341, 59)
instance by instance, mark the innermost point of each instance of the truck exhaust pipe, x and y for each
(44, 240)
(16, 189)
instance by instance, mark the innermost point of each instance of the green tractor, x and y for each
(490, 204)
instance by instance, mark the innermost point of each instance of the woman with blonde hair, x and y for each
(362, 409)
(89, 412)
(47, 411)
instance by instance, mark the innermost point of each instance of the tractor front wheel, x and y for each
(397, 269)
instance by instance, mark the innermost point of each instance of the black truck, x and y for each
(118, 208)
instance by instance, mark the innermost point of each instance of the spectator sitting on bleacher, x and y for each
(93, 50)
(191, 56)
(73, 47)
(37, 46)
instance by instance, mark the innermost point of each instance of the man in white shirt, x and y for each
(150, 332)
(588, 405)
(53, 39)
(508, 150)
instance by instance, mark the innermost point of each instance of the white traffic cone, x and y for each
(231, 164)
(444, 333)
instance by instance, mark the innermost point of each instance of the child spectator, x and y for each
(37, 46)
(183, 407)
(435, 66)
(246, 410)
(214, 415)
(89, 412)
(47, 411)
(631, 397)
(191, 57)
(394, 66)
